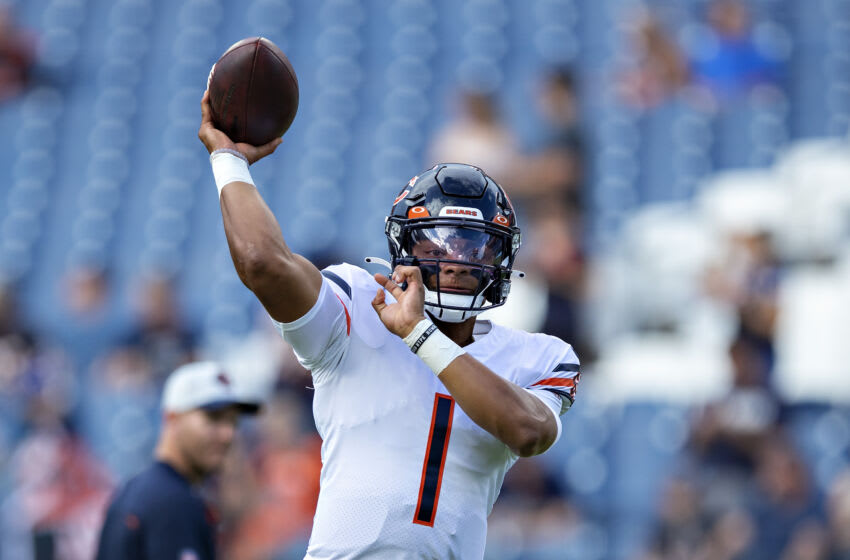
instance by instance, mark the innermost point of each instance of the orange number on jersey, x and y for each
(435, 459)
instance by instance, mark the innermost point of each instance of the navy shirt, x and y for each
(157, 515)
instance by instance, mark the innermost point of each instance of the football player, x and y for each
(421, 408)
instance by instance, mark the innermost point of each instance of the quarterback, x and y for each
(421, 407)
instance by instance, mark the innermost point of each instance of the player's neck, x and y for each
(460, 333)
(166, 452)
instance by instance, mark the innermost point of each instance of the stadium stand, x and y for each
(101, 167)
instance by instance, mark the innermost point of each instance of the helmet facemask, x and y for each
(466, 265)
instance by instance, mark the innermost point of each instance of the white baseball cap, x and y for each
(203, 385)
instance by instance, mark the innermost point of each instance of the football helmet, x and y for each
(458, 226)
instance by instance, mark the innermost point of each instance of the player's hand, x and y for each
(409, 309)
(215, 139)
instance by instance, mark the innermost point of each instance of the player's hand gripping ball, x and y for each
(253, 92)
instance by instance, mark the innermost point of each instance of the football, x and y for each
(253, 91)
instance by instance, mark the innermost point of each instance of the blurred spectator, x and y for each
(730, 538)
(748, 280)
(17, 55)
(87, 291)
(657, 69)
(532, 514)
(810, 541)
(478, 137)
(728, 60)
(689, 530)
(786, 507)
(839, 516)
(37, 384)
(729, 433)
(553, 175)
(12, 324)
(681, 523)
(88, 305)
(60, 492)
(557, 255)
(161, 334)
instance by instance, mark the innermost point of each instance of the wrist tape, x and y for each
(229, 166)
(432, 346)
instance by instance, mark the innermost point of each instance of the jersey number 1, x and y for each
(435, 460)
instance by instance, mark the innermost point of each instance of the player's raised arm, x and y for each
(286, 283)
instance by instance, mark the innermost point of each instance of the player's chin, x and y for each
(215, 460)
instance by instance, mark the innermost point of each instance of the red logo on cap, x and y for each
(223, 379)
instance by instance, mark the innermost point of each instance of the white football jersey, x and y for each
(405, 472)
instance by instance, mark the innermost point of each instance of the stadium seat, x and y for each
(811, 335)
(661, 367)
(744, 201)
(202, 13)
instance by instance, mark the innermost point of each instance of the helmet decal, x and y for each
(461, 212)
(501, 220)
(418, 212)
(403, 194)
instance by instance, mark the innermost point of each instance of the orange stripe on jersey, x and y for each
(557, 382)
(347, 316)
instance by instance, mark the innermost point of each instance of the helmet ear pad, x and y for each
(499, 289)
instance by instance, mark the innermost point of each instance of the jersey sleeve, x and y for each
(553, 402)
(321, 336)
(560, 375)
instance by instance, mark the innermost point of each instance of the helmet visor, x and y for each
(456, 243)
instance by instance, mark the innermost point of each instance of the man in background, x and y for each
(159, 513)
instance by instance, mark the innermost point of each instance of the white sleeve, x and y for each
(554, 403)
(321, 336)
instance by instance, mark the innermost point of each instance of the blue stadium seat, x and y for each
(202, 13)
(133, 13)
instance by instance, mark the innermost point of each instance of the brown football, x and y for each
(253, 91)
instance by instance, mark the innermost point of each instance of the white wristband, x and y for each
(229, 166)
(432, 346)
